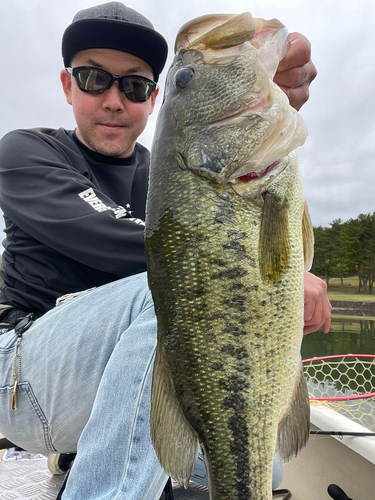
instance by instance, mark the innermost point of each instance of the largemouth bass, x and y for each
(228, 239)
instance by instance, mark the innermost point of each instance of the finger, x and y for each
(297, 96)
(297, 76)
(321, 318)
(309, 329)
(317, 308)
(327, 315)
(312, 292)
(295, 83)
(314, 317)
(315, 327)
(298, 52)
(327, 326)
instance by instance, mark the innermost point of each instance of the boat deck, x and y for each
(348, 462)
(28, 479)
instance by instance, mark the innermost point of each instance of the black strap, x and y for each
(5, 444)
(10, 319)
(287, 494)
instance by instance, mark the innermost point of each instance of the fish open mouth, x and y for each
(257, 175)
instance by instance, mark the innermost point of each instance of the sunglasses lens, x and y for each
(93, 81)
(136, 89)
(96, 81)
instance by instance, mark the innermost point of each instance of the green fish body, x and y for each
(228, 239)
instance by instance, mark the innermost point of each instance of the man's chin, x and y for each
(115, 151)
(115, 147)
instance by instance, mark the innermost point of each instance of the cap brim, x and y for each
(142, 42)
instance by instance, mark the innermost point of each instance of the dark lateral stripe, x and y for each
(233, 273)
(238, 427)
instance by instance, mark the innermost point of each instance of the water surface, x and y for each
(348, 335)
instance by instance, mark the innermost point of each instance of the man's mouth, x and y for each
(111, 126)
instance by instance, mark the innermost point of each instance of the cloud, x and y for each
(337, 159)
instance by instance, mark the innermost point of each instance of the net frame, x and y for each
(342, 357)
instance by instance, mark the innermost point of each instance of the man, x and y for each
(78, 376)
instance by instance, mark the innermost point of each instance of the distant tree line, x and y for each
(347, 249)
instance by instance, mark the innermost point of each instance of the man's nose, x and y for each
(114, 98)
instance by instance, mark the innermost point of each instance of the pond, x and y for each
(348, 335)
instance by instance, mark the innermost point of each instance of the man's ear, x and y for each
(66, 81)
(153, 99)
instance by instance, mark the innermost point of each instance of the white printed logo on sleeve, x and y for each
(97, 204)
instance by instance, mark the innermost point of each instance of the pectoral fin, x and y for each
(308, 239)
(294, 428)
(274, 242)
(174, 440)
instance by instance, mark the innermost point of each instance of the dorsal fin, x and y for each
(308, 239)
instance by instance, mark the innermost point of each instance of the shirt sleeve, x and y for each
(58, 205)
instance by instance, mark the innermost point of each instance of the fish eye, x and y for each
(183, 77)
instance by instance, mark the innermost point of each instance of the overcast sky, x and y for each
(338, 158)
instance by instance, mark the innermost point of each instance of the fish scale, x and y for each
(225, 264)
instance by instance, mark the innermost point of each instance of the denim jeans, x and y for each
(85, 384)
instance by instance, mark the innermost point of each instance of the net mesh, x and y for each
(345, 384)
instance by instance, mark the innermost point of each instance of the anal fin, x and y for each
(294, 428)
(174, 440)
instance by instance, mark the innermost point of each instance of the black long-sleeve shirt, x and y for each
(73, 217)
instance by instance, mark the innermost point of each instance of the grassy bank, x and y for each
(349, 291)
(351, 297)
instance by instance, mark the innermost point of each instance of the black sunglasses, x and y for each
(96, 81)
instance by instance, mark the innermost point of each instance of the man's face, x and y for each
(108, 123)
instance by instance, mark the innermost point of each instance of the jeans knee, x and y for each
(140, 290)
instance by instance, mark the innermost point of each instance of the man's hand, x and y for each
(317, 306)
(296, 71)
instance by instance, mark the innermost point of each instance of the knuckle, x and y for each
(298, 96)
